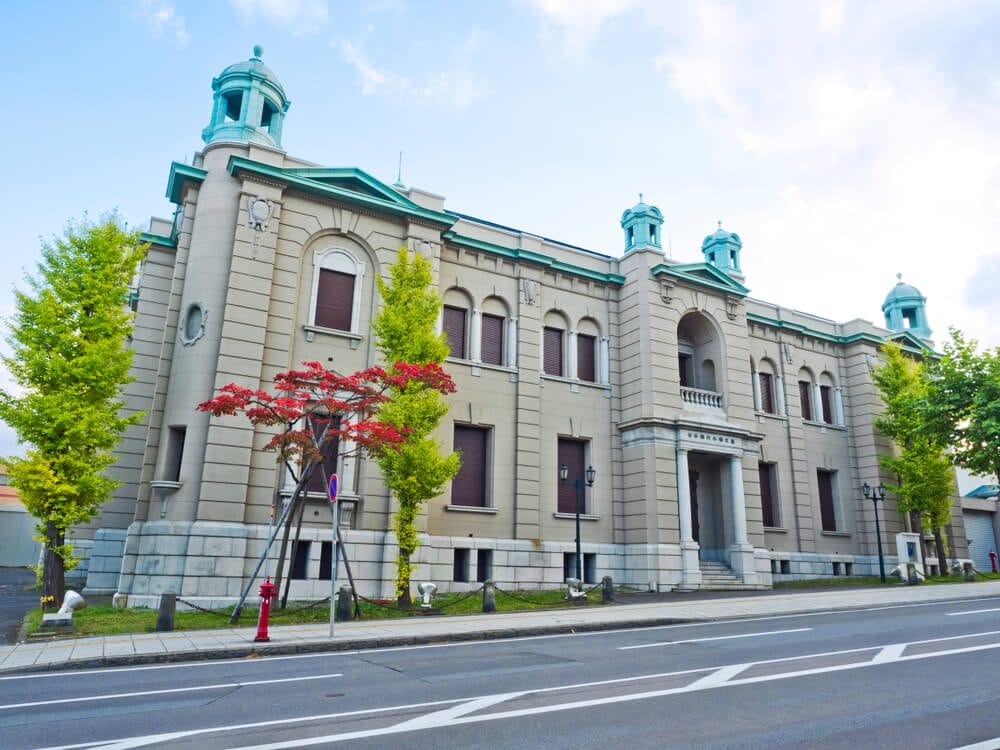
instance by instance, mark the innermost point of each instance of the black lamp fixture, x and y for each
(578, 484)
(875, 494)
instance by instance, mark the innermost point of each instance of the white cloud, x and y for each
(578, 22)
(457, 87)
(161, 17)
(300, 16)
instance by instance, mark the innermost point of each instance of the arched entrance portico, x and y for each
(712, 506)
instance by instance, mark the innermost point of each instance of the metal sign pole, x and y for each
(335, 514)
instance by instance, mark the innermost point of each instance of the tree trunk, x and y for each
(943, 568)
(53, 570)
(295, 552)
(404, 599)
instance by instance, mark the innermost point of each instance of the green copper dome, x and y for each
(249, 105)
(905, 310)
(642, 225)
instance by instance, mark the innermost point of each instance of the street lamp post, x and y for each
(578, 485)
(875, 494)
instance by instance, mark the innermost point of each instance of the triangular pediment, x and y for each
(701, 275)
(353, 179)
(910, 342)
(348, 184)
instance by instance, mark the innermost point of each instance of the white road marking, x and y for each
(991, 744)
(715, 638)
(890, 653)
(113, 696)
(465, 706)
(972, 612)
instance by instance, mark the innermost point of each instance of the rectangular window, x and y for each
(453, 325)
(805, 401)
(585, 359)
(824, 399)
(766, 392)
(768, 494)
(334, 300)
(552, 355)
(469, 485)
(318, 482)
(589, 567)
(325, 560)
(175, 453)
(460, 570)
(491, 345)
(827, 511)
(571, 454)
(685, 366)
(484, 565)
(300, 561)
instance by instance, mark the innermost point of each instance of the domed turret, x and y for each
(904, 309)
(722, 250)
(250, 105)
(642, 225)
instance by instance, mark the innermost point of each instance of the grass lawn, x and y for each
(106, 620)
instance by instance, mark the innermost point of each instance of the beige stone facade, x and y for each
(692, 393)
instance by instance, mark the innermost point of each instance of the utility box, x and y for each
(910, 556)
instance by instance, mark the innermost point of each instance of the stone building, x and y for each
(728, 438)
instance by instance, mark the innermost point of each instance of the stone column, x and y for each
(690, 570)
(741, 551)
(570, 369)
(475, 336)
(511, 342)
(779, 392)
(738, 500)
(605, 361)
(838, 407)
(755, 381)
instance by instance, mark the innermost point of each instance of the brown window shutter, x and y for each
(824, 397)
(469, 485)
(319, 426)
(804, 401)
(334, 300)
(766, 472)
(491, 348)
(585, 367)
(454, 330)
(571, 453)
(552, 356)
(766, 392)
(827, 514)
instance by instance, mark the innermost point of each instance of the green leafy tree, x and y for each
(404, 331)
(69, 359)
(921, 464)
(963, 404)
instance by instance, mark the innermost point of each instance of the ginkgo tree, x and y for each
(314, 409)
(69, 359)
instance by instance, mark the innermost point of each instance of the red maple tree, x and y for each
(316, 408)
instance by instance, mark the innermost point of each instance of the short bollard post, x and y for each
(489, 597)
(970, 572)
(266, 594)
(168, 607)
(344, 598)
(607, 590)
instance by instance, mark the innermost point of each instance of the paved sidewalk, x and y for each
(191, 645)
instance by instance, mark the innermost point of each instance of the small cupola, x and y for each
(905, 310)
(722, 250)
(249, 107)
(642, 225)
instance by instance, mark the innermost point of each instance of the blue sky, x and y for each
(843, 141)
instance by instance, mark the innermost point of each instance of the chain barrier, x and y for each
(192, 605)
(303, 608)
(469, 595)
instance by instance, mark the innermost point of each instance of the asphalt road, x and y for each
(908, 677)
(17, 596)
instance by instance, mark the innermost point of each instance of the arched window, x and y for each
(496, 334)
(455, 323)
(336, 293)
(554, 344)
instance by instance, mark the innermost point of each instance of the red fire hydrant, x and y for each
(993, 560)
(266, 594)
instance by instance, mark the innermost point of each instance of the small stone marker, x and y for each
(168, 608)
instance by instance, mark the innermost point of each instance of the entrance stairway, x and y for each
(717, 576)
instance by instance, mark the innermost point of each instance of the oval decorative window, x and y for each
(194, 324)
